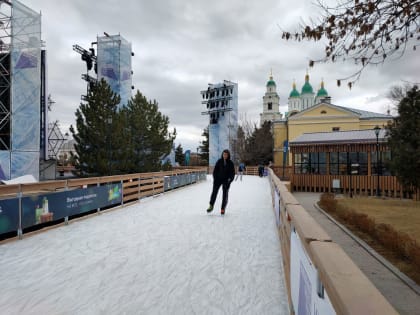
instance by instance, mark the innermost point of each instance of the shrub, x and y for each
(328, 202)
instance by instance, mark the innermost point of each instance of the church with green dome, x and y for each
(306, 98)
(310, 111)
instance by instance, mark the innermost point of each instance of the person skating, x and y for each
(223, 175)
(241, 170)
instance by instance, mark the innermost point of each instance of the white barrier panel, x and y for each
(308, 295)
(277, 206)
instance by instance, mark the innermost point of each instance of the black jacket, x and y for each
(224, 173)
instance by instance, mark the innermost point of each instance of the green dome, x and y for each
(271, 82)
(307, 87)
(294, 92)
(322, 91)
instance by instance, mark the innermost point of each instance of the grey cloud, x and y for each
(180, 46)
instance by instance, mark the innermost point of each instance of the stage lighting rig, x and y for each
(87, 55)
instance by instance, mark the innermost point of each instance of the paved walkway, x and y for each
(164, 255)
(402, 297)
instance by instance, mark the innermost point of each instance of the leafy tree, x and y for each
(179, 155)
(96, 131)
(404, 140)
(366, 32)
(150, 139)
(204, 147)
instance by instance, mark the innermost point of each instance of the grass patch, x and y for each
(390, 226)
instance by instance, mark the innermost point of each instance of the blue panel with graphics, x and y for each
(4, 164)
(114, 65)
(25, 91)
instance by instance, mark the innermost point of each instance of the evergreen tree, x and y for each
(404, 140)
(204, 147)
(95, 132)
(179, 155)
(150, 139)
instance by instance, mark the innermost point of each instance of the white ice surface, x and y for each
(164, 255)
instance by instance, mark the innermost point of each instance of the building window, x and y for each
(341, 163)
(383, 167)
(270, 106)
(323, 111)
(311, 163)
(335, 128)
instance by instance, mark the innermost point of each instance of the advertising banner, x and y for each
(304, 282)
(54, 206)
(166, 183)
(174, 181)
(9, 215)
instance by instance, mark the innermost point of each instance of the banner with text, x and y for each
(54, 206)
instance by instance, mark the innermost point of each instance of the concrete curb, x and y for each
(409, 282)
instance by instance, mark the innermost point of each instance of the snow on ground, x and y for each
(164, 255)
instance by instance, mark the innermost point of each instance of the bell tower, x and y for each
(271, 103)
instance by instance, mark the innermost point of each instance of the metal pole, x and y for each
(20, 231)
(378, 194)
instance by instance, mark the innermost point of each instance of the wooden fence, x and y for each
(135, 186)
(352, 184)
(348, 290)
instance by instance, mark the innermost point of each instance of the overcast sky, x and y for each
(182, 45)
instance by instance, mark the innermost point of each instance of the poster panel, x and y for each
(114, 65)
(166, 183)
(26, 78)
(9, 215)
(304, 282)
(54, 206)
(175, 181)
(5, 165)
(24, 163)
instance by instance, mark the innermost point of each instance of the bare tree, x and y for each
(367, 32)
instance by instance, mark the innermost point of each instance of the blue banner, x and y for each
(9, 215)
(54, 206)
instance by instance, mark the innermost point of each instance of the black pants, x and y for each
(225, 188)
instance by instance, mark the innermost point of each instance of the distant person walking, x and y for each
(223, 175)
(260, 170)
(241, 170)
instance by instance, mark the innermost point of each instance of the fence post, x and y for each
(98, 209)
(19, 231)
(122, 192)
(139, 191)
(66, 218)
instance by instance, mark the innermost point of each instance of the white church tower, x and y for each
(271, 103)
(294, 100)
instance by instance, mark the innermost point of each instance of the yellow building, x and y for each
(310, 112)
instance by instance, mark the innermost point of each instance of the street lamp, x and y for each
(377, 129)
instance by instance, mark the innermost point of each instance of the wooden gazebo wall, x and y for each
(360, 184)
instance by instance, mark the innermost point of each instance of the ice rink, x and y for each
(163, 255)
